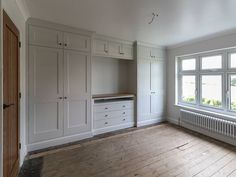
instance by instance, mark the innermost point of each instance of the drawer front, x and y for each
(112, 122)
(113, 106)
(113, 114)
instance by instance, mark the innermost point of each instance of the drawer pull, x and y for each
(106, 108)
(123, 106)
(106, 123)
(106, 115)
(123, 119)
(123, 112)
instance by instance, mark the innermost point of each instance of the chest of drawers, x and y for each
(112, 115)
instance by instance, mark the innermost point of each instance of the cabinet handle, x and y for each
(106, 115)
(123, 112)
(106, 123)
(65, 45)
(7, 105)
(60, 97)
(106, 108)
(123, 106)
(65, 97)
(60, 44)
(123, 119)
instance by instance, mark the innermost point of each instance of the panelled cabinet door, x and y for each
(144, 82)
(115, 49)
(128, 51)
(45, 37)
(45, 93)
(157, 87)
(77, 42)
(144, 52)
(77, 92)
(100, 47)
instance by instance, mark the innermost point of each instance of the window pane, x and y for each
(189, 64)
(188, 89)
(233, 60)
(212, 90)
(212, 62)
(233, 92)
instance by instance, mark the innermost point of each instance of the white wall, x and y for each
(13, 11)
(109, 75)
(189, 48)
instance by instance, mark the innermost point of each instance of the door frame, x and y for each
(7, 21)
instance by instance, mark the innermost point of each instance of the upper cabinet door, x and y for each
(100, 47)
(77, 42)
(45, 37)
(115, 49)
(144, 52)
(77, 92)
(157, 53)
(128, 51)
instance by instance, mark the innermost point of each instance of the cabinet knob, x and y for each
(106, 108)
(123, 106)
(123, 112)
(123, 119)
(65, 44)
(60, 43)
(106, 123)
(65, 97)
(106, 115)
(60, 97)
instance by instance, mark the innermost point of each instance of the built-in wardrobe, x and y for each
(81, 84)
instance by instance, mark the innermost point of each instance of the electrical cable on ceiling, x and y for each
(153, 18)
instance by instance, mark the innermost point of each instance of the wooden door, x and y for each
(77, 92)
(45, 93)
(10, 98)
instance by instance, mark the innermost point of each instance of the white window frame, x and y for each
(225, 72)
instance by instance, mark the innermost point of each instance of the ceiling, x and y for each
(178, 20)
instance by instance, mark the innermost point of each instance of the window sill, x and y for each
(202, 110)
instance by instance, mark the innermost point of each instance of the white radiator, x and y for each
(213, 124)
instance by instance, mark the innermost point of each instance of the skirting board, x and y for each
(173, 120)
(113, 128)
(58, 141)
(210, 134)
(149, 122)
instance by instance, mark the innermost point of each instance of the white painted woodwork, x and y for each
(76, 42)
(59, 82)
(112, 115)
(128, 51)
(150, 83)
(45, 37)
(100, 47)
(76, 92)
(113, 48)
(45, 88)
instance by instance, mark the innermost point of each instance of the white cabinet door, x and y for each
(144, 52)
(77, 42)
(128, 51)
(45, 37)
(100, 47)
(115, 49)
(77, 92)
(144, 96)
(157, 87)
(45, 93)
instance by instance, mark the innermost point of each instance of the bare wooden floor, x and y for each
(162, 150)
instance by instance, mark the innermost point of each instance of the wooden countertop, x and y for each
(112, 96)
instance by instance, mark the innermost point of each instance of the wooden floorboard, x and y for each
(163, 150)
